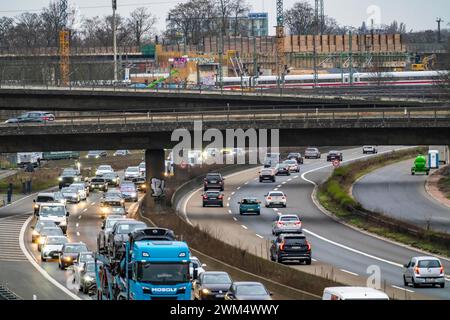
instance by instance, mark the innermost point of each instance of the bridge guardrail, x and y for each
(436, 114)
(380, 93)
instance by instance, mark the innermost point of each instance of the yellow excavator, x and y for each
(427, 63)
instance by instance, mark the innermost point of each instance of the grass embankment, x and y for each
(335, 196)
(444, 183)
(202, 240)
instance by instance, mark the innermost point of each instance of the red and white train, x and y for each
(405, 78)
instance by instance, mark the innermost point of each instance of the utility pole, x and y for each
(316, 32)
(439, 20)
(114, 8)
(255, 58)
(350, 55)
(221, 53)
(280, 40)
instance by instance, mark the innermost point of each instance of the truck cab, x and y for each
(154, 267)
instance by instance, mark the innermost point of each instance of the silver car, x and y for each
(312, 153)
(424, 270)
(287, 223)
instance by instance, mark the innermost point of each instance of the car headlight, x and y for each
(96, 157)
(60, 179)
(35, 233)
(36, 206)
(104, 210)
(41, 240)
(143, 186)
(133, 194)
(205, 291)
(68, 258)
(76, 179)
(63, 223)
(88, 278)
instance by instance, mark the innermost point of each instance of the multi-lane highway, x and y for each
(393, 191)
(348, 250)
(20, 264)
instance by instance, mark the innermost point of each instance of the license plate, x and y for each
(249, 209)
(296, 248)
(220, 295)
(213, 181)
(212, 198)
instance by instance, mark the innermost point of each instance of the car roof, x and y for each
(247, 283)
(287, 215)
(53, 204)
(356, 292)
(46, 194)
(292, 235)
(75, 244)
(278, 191)
(215, 272)
(426, 258)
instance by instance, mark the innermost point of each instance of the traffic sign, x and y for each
(336, 163)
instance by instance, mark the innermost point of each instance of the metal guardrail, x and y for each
(275, 115)
(6, 294)
(381, 93)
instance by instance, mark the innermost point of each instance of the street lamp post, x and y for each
(114, 7)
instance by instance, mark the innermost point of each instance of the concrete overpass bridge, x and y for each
(132, 99)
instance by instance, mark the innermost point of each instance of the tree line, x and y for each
(187, 22)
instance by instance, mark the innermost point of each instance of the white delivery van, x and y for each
(353, 293)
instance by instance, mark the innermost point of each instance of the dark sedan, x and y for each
(212, 285)
(69, 254)
(248, 291)
(212, 198)
(334, 155)
(112, 179)
(35, 116)
(283, 169)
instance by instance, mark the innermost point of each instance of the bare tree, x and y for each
(300, 19)
(28, 30)
(54, 19)
(140, 24)
(6, 29)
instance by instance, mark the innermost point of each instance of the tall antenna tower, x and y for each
(64, 49)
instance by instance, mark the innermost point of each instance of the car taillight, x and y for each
(416, 269)
(205, 181)
(309, 245)
(221, 197)
(205, 197)
(441, 270)
(297, 223)
(269, 198)
(220, 182)
(280, 223)
(282, 246)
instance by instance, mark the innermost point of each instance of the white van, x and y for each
(353, 293)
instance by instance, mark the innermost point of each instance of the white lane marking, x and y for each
(289, 179)
(37, 266)
(229, 198)
(315, 260)
(353, 250)
(279, 213)
(349, 272)
(238, 188)
(407, 290)
(93, 204)
(78, 234)
(256, 179)
(259, 236)
(284, 182)
(229, 211)
(228, 204)
(233, 193)
(77, 225)
(276, 189)
(296, 177)
(234, 218)
(80, 216)
(279, 186)
(246, 182)
(84, 210)
(275, 209)
(244, 227)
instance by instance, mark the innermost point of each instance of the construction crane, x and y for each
(280, 38)
(64, 46)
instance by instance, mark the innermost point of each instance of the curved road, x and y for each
(349, 252)
(393, 191)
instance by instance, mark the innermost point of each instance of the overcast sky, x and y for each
(417, 14)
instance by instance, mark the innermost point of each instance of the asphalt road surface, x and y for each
(347, 250)
(393, 191)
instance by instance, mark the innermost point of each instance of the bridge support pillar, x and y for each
(154, 172)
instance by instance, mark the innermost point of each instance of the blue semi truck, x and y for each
(151, 266)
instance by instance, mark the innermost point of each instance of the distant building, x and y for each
(259, 22)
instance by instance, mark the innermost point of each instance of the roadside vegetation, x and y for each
(444, 182)
(334, 195)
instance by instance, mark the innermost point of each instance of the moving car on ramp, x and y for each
(420, 165)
